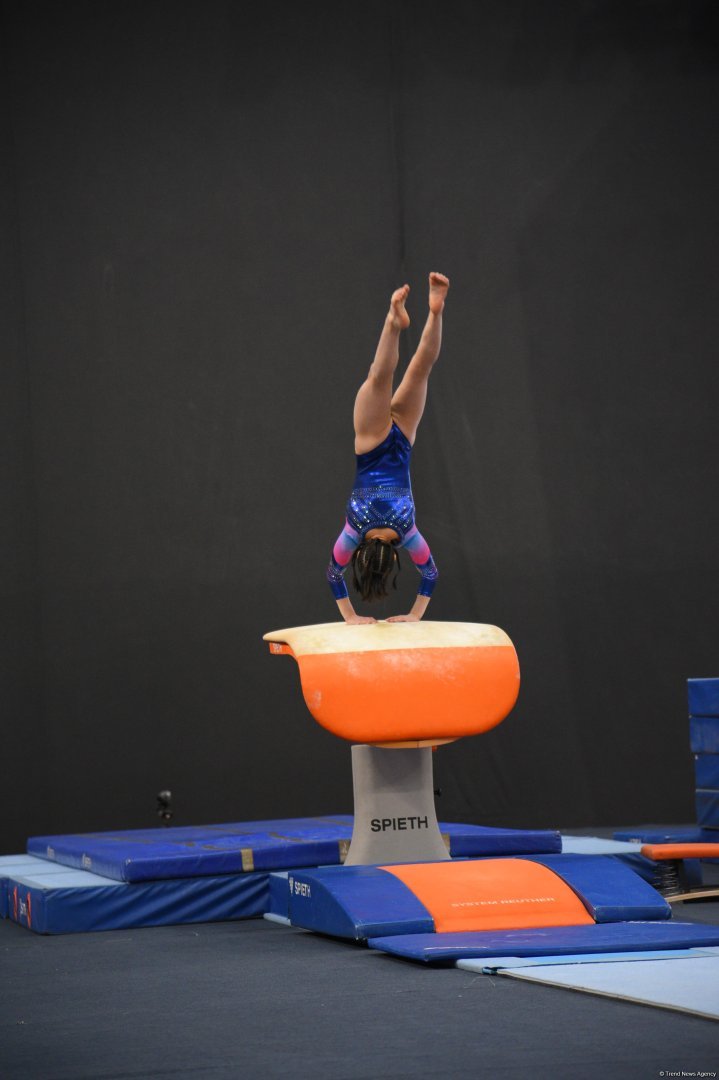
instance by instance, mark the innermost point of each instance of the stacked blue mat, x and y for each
(703, 697)
(154, 877)
(704, 740)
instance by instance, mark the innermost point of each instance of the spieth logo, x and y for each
(86, 862)
(398, 824)
(298, 888)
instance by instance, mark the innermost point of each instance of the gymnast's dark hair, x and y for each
(372, 566)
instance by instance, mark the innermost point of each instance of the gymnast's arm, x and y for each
(342, 552)
(421, 556)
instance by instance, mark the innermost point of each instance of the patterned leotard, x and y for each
(382, 498)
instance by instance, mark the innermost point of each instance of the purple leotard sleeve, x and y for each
(421, 556)
(347, 542)
(342, 552)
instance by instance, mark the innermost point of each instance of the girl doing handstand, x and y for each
(380, 510)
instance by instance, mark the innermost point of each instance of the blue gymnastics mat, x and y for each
(704, 734)
(244, 847)
(629, 852)
(687, 983)
(650, 834)
(13, 865)
(703, 697)
(553, 941)
(707, 803)
(360, 902)
(706, 770)
(597, 845)
(52, 899)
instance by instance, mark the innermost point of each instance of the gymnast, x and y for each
(380, 511)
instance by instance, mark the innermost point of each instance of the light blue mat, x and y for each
(12, 865)
(596, 845)
(685, 980)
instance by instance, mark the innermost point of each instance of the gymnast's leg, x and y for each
(372, 410)
(407, 405)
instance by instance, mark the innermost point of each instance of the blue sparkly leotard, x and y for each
(382, 498)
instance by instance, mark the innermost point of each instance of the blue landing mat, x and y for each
(59, 900)
(152, 854)
(556, 941)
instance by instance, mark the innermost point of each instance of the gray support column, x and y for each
(395, 820)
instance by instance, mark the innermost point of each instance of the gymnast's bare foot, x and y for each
(397, 314)
(438, 286)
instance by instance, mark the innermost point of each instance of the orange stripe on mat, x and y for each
(492, 894)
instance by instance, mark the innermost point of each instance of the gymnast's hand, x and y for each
(349, 614)
(418, 609)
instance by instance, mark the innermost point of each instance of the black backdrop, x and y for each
(205, 208)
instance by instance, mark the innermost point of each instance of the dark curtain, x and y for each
(205, 209)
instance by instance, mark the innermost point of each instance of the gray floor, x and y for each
(254, 1000)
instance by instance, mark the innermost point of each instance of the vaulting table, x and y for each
(397, 690)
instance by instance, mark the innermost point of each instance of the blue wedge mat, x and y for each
(74, 900)
(152, 854)
(706, 770)
(557, 941)
(703, 697)
(704, 734)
